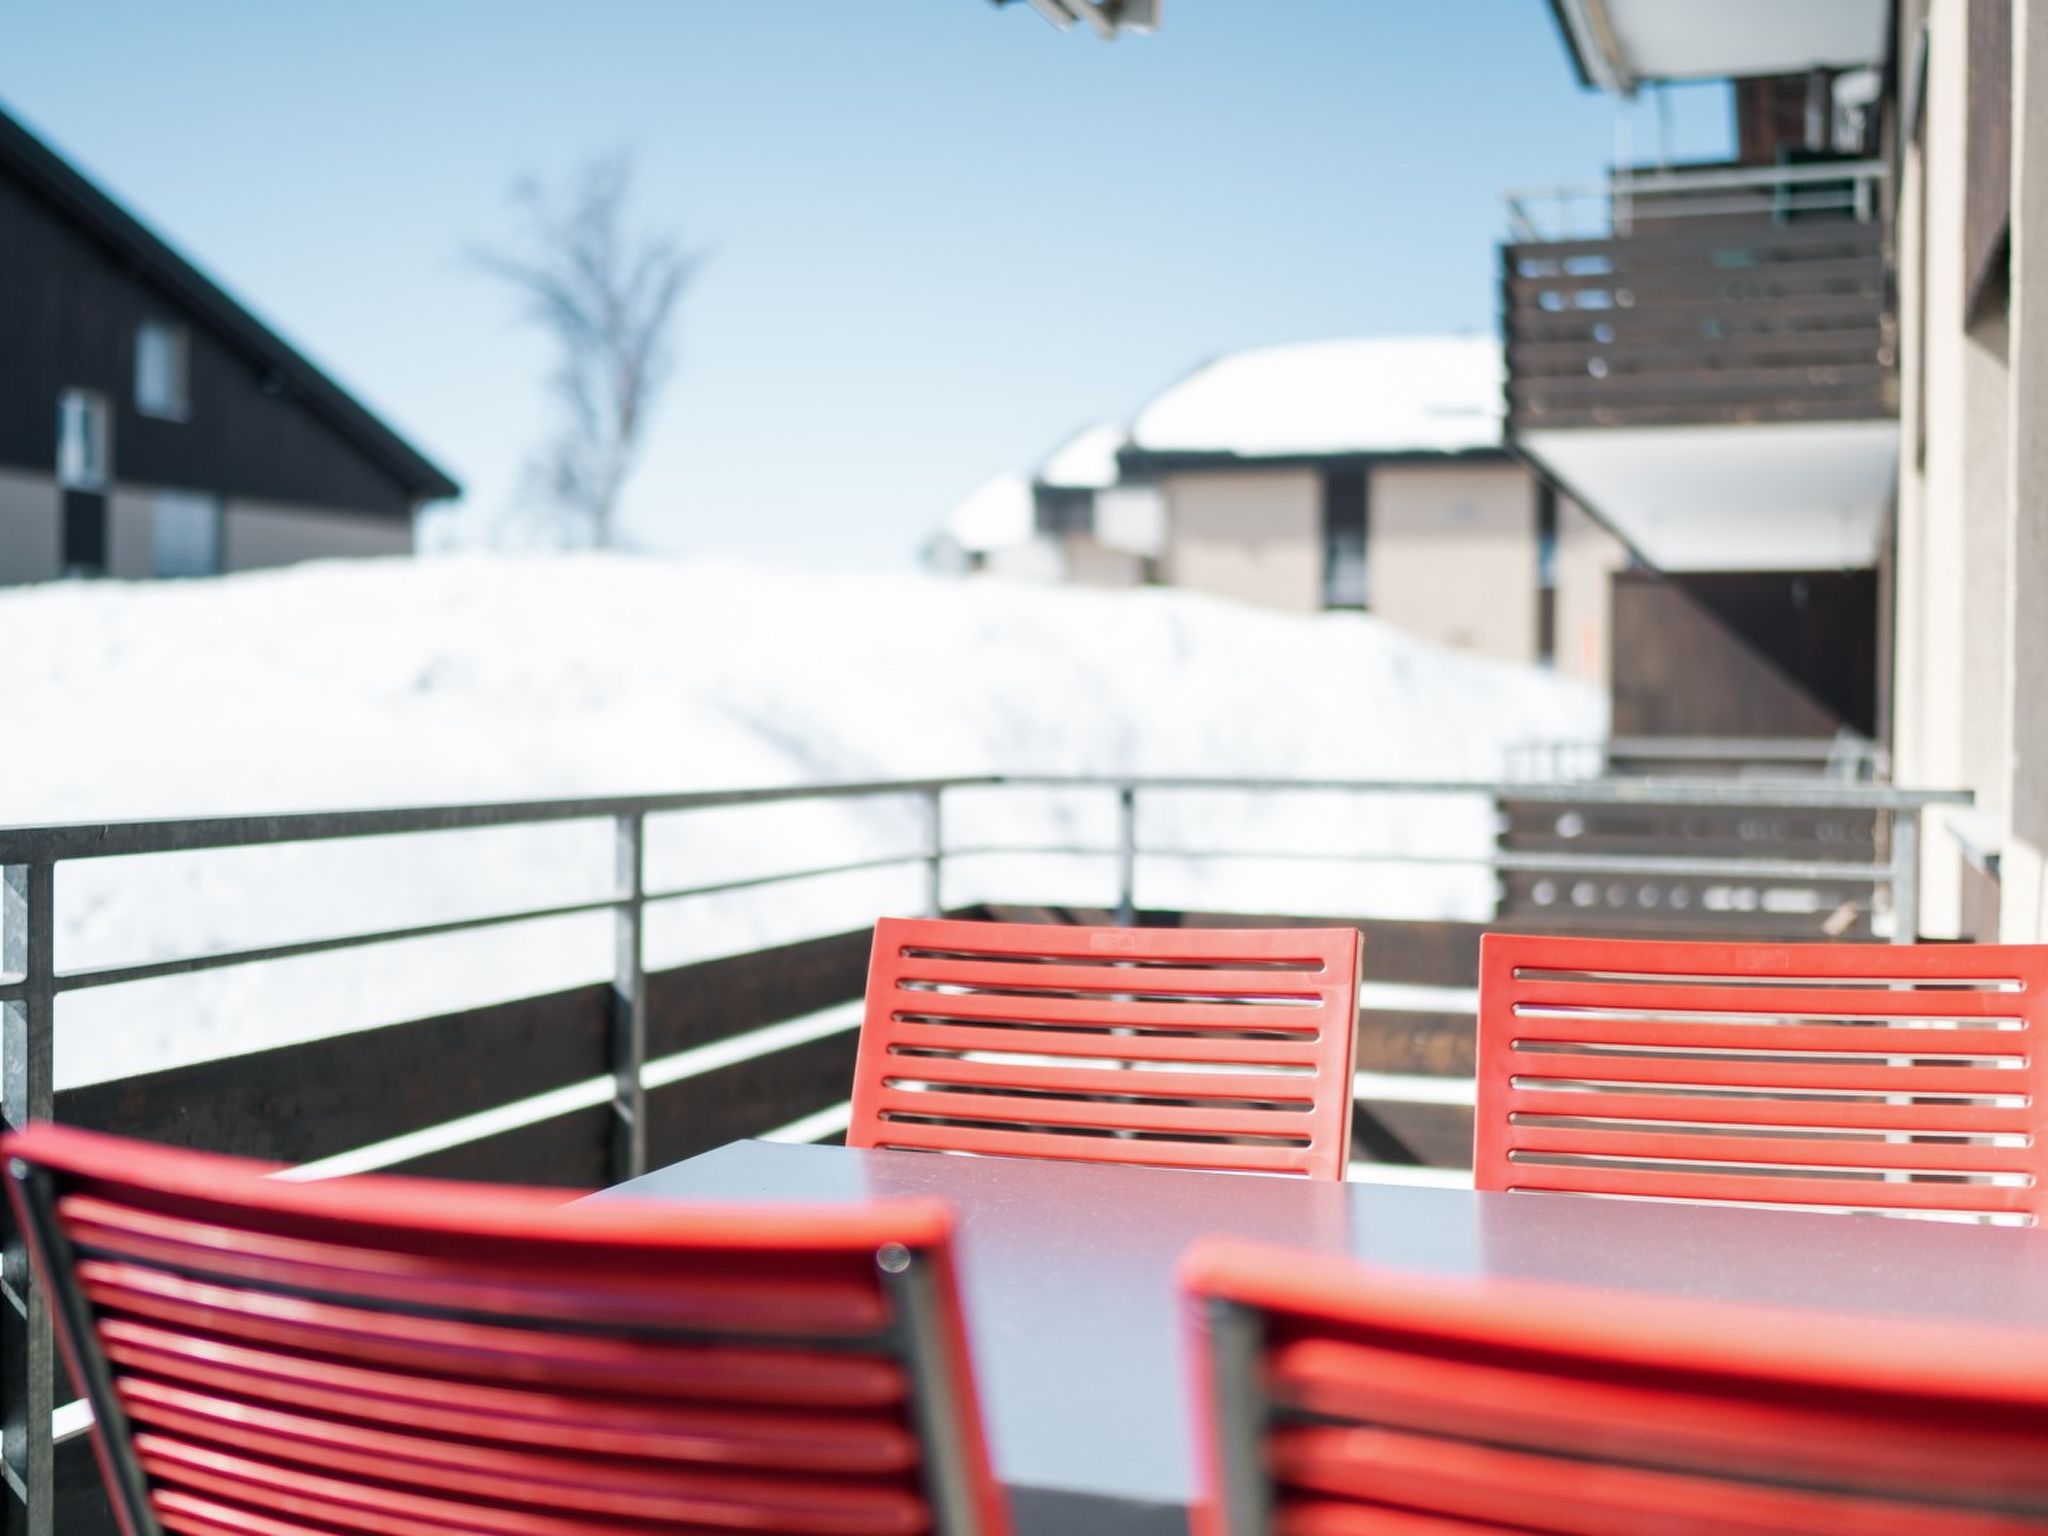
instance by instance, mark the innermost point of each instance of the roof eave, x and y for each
(1166, 461)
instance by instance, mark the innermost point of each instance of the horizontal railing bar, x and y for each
(750, 882)
(58, 841)
(185, 965)
(1684, 181)
(1645, 791)
(93, 840)
(1559, 863)
(1028, 851)
(556, 1102)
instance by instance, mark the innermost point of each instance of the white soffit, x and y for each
(1625, 42)
(1804, 496)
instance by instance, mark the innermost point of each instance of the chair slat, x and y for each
(1339, 1399)
(412, 1358)
(1604, 1065)
(1222, 1023)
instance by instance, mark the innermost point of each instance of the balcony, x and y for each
(1648, 320)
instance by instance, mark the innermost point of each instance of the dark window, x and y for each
(1546, 575)
(1064, 510)
(185, 530)
(85, 533)
(162, 368)
(1345, 528)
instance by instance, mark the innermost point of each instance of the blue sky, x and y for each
(941, 236)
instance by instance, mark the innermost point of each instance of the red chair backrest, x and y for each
(1336, 1399)
(1899, 1078)
(1227, 1049)
(415, 1358)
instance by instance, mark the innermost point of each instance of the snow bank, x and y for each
(481, 678)
(1371, 395)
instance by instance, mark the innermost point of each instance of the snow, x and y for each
(1087, 460)
(1371, 395)
(483, 677)
(997, 514)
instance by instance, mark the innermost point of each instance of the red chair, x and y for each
(1337, 1400)
(414, 1358)
(1172, 1046)
(1902, 1079)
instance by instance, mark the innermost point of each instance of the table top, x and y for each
(1068, 1269)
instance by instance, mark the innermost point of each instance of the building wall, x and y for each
(1451, 555)
(31, 528)
(2023, 905)
(1971, 637)
(1587, 558)
(1254, 535)
(1933, 637)
(131, 541)
(257, 535)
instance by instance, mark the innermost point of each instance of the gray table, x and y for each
(1068, 1272)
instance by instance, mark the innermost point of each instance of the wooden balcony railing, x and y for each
(1695, 313)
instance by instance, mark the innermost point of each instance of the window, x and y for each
(1546, 575)
(185, 534)
(1345, 582)
(162, 370)
(82, 440)
(1063, 510)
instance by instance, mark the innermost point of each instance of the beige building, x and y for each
(1354, 474)
(1969, 641)
(1928, 121)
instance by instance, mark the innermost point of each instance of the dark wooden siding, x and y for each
(1682, 324)
(69, 309)
(1744, 655)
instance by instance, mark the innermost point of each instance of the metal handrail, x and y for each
(30, 982)
(1616, 196)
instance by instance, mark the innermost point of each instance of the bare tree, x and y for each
(607, 294)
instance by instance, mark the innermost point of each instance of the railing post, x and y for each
(27, 949)
(935, 854)
(629, 1003)
(1126, 854)
(1905, 875)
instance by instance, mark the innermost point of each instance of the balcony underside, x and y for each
(1781, 496)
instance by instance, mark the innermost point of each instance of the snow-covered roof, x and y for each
(1390, 394)
(994, 515)
(1086, 461)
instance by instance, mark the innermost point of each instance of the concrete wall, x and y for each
(259, 534)
(2023, 904)
(1936, 478)
(1451, 555)
(131, 542)
(1587, 558)
(31, 528)
(1970, 657)
(1255, 535)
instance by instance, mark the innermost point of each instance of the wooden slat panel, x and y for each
(1416, 1042)
(301, 1102)
(734, 1102)
(81, 1507)
(713, 999)
(1434, 1135)
(571, 1151)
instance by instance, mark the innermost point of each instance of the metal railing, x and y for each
(1845, 757)
(31, 982)
(1612, 208)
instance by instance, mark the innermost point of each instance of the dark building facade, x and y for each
(150, 425)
